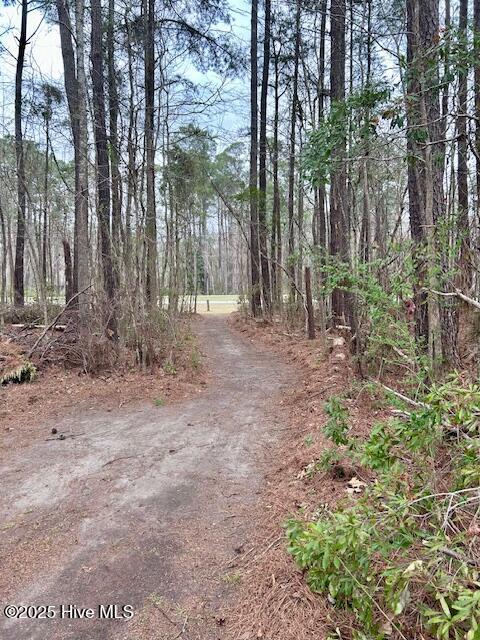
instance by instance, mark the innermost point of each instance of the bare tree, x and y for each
(75, 89)
(476, 25)
(276, 231)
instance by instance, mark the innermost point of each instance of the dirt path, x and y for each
(145, 508)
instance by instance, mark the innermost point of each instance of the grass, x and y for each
(232, 578)
(218, 298)
(219, 304)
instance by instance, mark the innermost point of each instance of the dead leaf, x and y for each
(355, 486)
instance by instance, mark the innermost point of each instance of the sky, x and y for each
(44, 62)
(43, 53)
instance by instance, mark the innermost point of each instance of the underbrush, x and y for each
(29, 314)
(400, 557)
(141, 339)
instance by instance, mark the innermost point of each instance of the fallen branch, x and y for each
(457, 294)
(54, 340)
(399, 412)
(157, 606)
(410, 401)
(64, 436)
(459, 557)
(321, 392)
(54, 321)
(28, 325)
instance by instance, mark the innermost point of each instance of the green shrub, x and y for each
(402, 551)
(337, 426)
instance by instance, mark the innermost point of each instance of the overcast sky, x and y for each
(44, 63)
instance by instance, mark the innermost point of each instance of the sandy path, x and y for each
(147, 506)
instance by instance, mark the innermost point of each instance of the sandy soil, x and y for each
(146, 506)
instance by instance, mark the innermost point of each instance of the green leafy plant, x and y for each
(400, 551)
(377, 450)
(384, 338)
(308, 440)
(364, 109)
(337, 425)
(467, 470)
(456, 404)
(169, 368)
(458, 615)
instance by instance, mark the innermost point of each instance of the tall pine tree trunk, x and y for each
(416, 176)
(103, 167)
(131, 154)
(476, 26)
(338, 179)
(365, 236)
(114, 144)
(81, 248)
(3, 231)
(291, 158)
(45, 196)
(151, 220)
(255, 298)
(262, 194)
(436, 324)
(465, 266)
(77, 279)
(319, 229)
(276, 231)
(19, 276)
(319, 222)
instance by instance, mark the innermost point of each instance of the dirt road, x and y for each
(144, 507)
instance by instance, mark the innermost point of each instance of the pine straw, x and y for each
(276, 603)
(273, 601)
(279, 604)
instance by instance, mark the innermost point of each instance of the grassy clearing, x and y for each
(219, 304)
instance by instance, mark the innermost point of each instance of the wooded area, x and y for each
(363, 164)
(342, 200)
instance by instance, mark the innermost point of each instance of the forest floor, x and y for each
(153, 505)
(273, 600)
